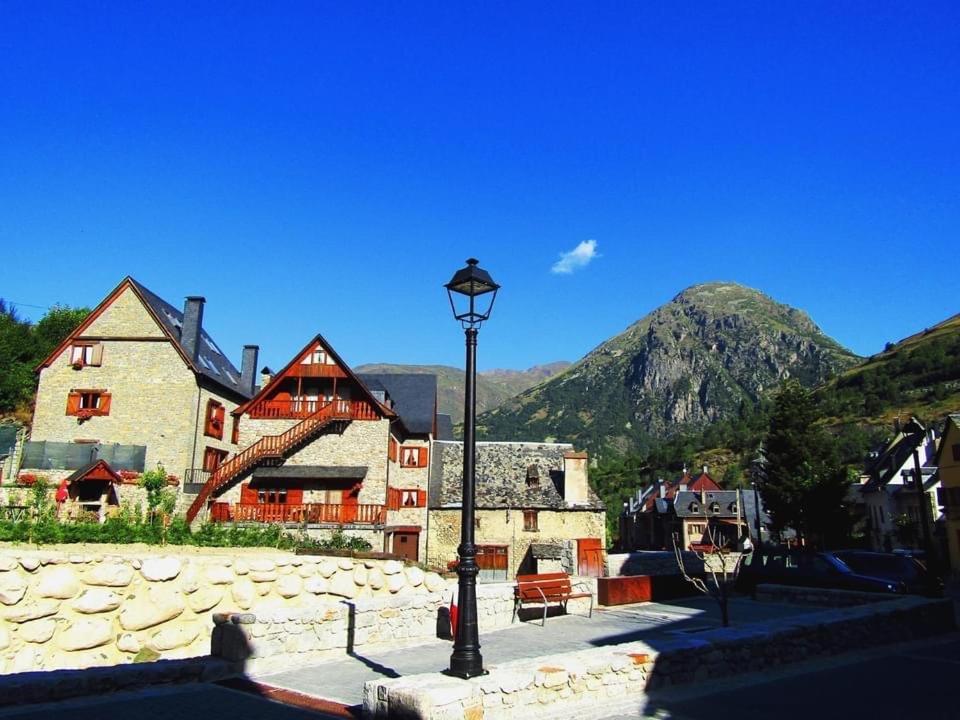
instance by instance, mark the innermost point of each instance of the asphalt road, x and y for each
(918, 680)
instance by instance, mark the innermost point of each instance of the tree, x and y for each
(721, 566)
(23, 346)
(806, 485)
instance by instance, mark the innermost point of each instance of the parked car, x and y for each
(898, 567)
(810, 569)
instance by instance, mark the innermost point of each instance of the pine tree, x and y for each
(806, 485)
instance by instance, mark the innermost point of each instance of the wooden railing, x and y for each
(284, 409)
(318, 370)
(310, 513)
(269, 446)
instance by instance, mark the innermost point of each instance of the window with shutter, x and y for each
(214, 420)
(84, 354)
(530, 520)
(88, 403)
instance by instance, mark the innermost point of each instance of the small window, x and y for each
(84, 354)
(274, 496)
(530, 520)
(212, 457)
(213, 426)
(413, 457)
(88, 403)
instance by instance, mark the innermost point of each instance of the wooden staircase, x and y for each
(269, 447)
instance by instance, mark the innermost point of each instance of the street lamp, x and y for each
(469, 291)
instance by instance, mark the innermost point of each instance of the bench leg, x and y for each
(514, 618)
(543, 623)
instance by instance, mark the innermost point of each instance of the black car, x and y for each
(898, 567)
(810, 569)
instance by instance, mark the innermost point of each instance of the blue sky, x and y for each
(326, 167)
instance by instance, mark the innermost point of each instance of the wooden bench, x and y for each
(546, 589)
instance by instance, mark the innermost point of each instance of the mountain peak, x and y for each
(691, 361)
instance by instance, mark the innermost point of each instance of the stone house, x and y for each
(889, 496)
(535, 511)
(139, 384)
(324, 449)
(948, 468)
(649, 520)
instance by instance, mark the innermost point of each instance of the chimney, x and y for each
(192, 325)
(575, 478)
(266, 375)
(705, 470)
(248, 367)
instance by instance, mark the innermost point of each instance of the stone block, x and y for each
(289, 586)
(61, 583)
(38, 631)
(160, 569)
(156, 606)
(32, 611)
(218, 575)
(110, 574)
(12, 588)
(29, 563)
(86, 633)
(7, 563)
(243, 592)
(173, 637)
(204, 599)
(97, 600)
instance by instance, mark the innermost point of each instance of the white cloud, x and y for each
(575, 259)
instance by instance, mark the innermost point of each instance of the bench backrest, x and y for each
(553, 585)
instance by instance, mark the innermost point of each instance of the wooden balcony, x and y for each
(298, 409)
(318, 370)
(299, 514)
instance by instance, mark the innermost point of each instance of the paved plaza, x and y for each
(845, 686)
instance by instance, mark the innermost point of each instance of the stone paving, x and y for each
(342, 680)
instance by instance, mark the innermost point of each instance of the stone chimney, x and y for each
(266, 375)
(248, 367)
(192, 325)
(575, 478)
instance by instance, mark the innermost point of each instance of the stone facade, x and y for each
(156, 399)
(76, 609)
(505, 527)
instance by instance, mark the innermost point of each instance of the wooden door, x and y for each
(406, 545)
(492, 561)
(348, 512)
(590, 557)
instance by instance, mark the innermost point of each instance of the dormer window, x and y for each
(533, 476)
(714, 507)
(694, 507)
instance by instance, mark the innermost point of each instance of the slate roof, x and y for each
(414, 397)
(501, 471)
(693, 504)
(444, 427)
(885, 467)
(210, 362)
(312, 472)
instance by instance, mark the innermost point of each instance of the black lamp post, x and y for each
(466, 291)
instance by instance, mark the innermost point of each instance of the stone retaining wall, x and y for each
(272, 640)
(84, 608)
(562, 685)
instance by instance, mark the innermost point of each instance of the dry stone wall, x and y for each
(84, 608)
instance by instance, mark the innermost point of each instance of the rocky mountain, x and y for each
(688, 363)
(493, 386)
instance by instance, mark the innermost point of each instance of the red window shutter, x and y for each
(73, 403)
(104, 407)
(422, 459)
(247, 494)
(295, 496)
(421, 498)
(235, 433)
(392, 450)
